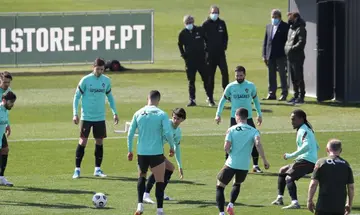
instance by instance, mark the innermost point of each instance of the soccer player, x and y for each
(5, 81)
(305, 159)
(335, 177)
(241, 93)
(178, 116)
(239, 142)
(152, 123)
(92, 90)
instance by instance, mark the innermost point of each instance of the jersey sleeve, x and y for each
(253, 91)
(228, 135)
(78, 93)
(316, 171)
(350, 179)
(167, 130)
(226, 96)
(131, 133)
(110, 97)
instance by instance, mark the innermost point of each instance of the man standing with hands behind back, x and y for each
(216, 38)
(273, 54)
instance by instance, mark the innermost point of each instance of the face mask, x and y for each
(214, 16)
(275, 21)
(189, 27)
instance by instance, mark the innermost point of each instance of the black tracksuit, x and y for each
(216, 38)
(192, 48)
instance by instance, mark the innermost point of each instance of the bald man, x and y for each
(335, 177)
(192, 49)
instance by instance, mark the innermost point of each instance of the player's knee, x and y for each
(237, 185)
(170, 167)
(98, 141)
(142, 174)
(220, 184)
(83, 141)
(5, 151)
(288, 179)
(283, 169)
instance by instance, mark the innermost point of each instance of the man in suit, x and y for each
(274, 55)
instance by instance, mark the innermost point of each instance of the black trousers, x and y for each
(214, 61)
(274, 65)
(250, 122)
(193, 66)
(296, 70)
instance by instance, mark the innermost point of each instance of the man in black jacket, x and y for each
(274, 55)
(294, 49)
(192, 49)
(216, 38)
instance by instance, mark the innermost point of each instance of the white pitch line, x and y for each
(188, 135)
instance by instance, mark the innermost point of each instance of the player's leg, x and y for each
(3, 161)
(157, 165)
(169, 170)
(143, 165)
(240, 177)
(85, 127)
(232, 123)
(254, 153)
(297, 171)
(281, 185)
(99, 132)
(223, 178)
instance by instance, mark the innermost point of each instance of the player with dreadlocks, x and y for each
(305, 156)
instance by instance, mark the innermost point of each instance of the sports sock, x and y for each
(159, 193)
(4, 159)
(234, 193)
(141, 188)
(220, 198)
(255, 156)
(281, 184)
(150, 183)
(99, 151)
(292, 190)
(80, 151)
(167, 177)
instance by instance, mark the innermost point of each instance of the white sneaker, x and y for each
(5, 182)
(147, 199)
(167, 198)
(140, 209)
(99, 173)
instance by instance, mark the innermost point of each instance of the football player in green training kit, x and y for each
(178, 116)
(239, 142)
(5, 81)
(241, 93)
(92, 90)
(152, 123)
(305, 156)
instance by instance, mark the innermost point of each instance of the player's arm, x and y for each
(78, 93)
(228, 141)
(350, 189)
(178, 152)
(314, 182)
(259, 147)
(304, 147)
(167, 131)
(226, 96)
(131, 133)
(256, 102)
(111, 99)
(181, 45)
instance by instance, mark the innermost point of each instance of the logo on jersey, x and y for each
(241, 96)
(103, 85)
(246, 90)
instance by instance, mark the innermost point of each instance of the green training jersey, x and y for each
(177, 134)
(4, 120)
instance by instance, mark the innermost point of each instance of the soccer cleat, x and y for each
(140, 209)
(257, 170)
(5, 182)
(99, 173)
(167, 198)
(292, 206)
(76, 174)
(278, 201)
(147, 199)
(230, 210)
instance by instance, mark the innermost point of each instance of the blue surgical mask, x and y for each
(189, 27)
(275, 21)
(214, 16)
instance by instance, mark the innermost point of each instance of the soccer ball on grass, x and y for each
(99, 200)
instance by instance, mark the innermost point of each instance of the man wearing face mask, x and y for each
(274, 55)
(192, 49)
(294, 49)
(216, 38)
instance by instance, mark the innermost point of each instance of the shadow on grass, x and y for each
(272, 174)
(84, 72)
(120, 178)
(47, 190)
(204, 204)
(43, 205)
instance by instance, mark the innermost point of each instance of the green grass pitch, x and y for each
(43, 142)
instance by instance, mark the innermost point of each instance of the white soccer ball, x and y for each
(99, 200)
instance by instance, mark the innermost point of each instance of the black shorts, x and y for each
(4, 142)
(99, 129)
(144, 161)
(249, 122)
(227, 173)
(328, 213)
(299, 169)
